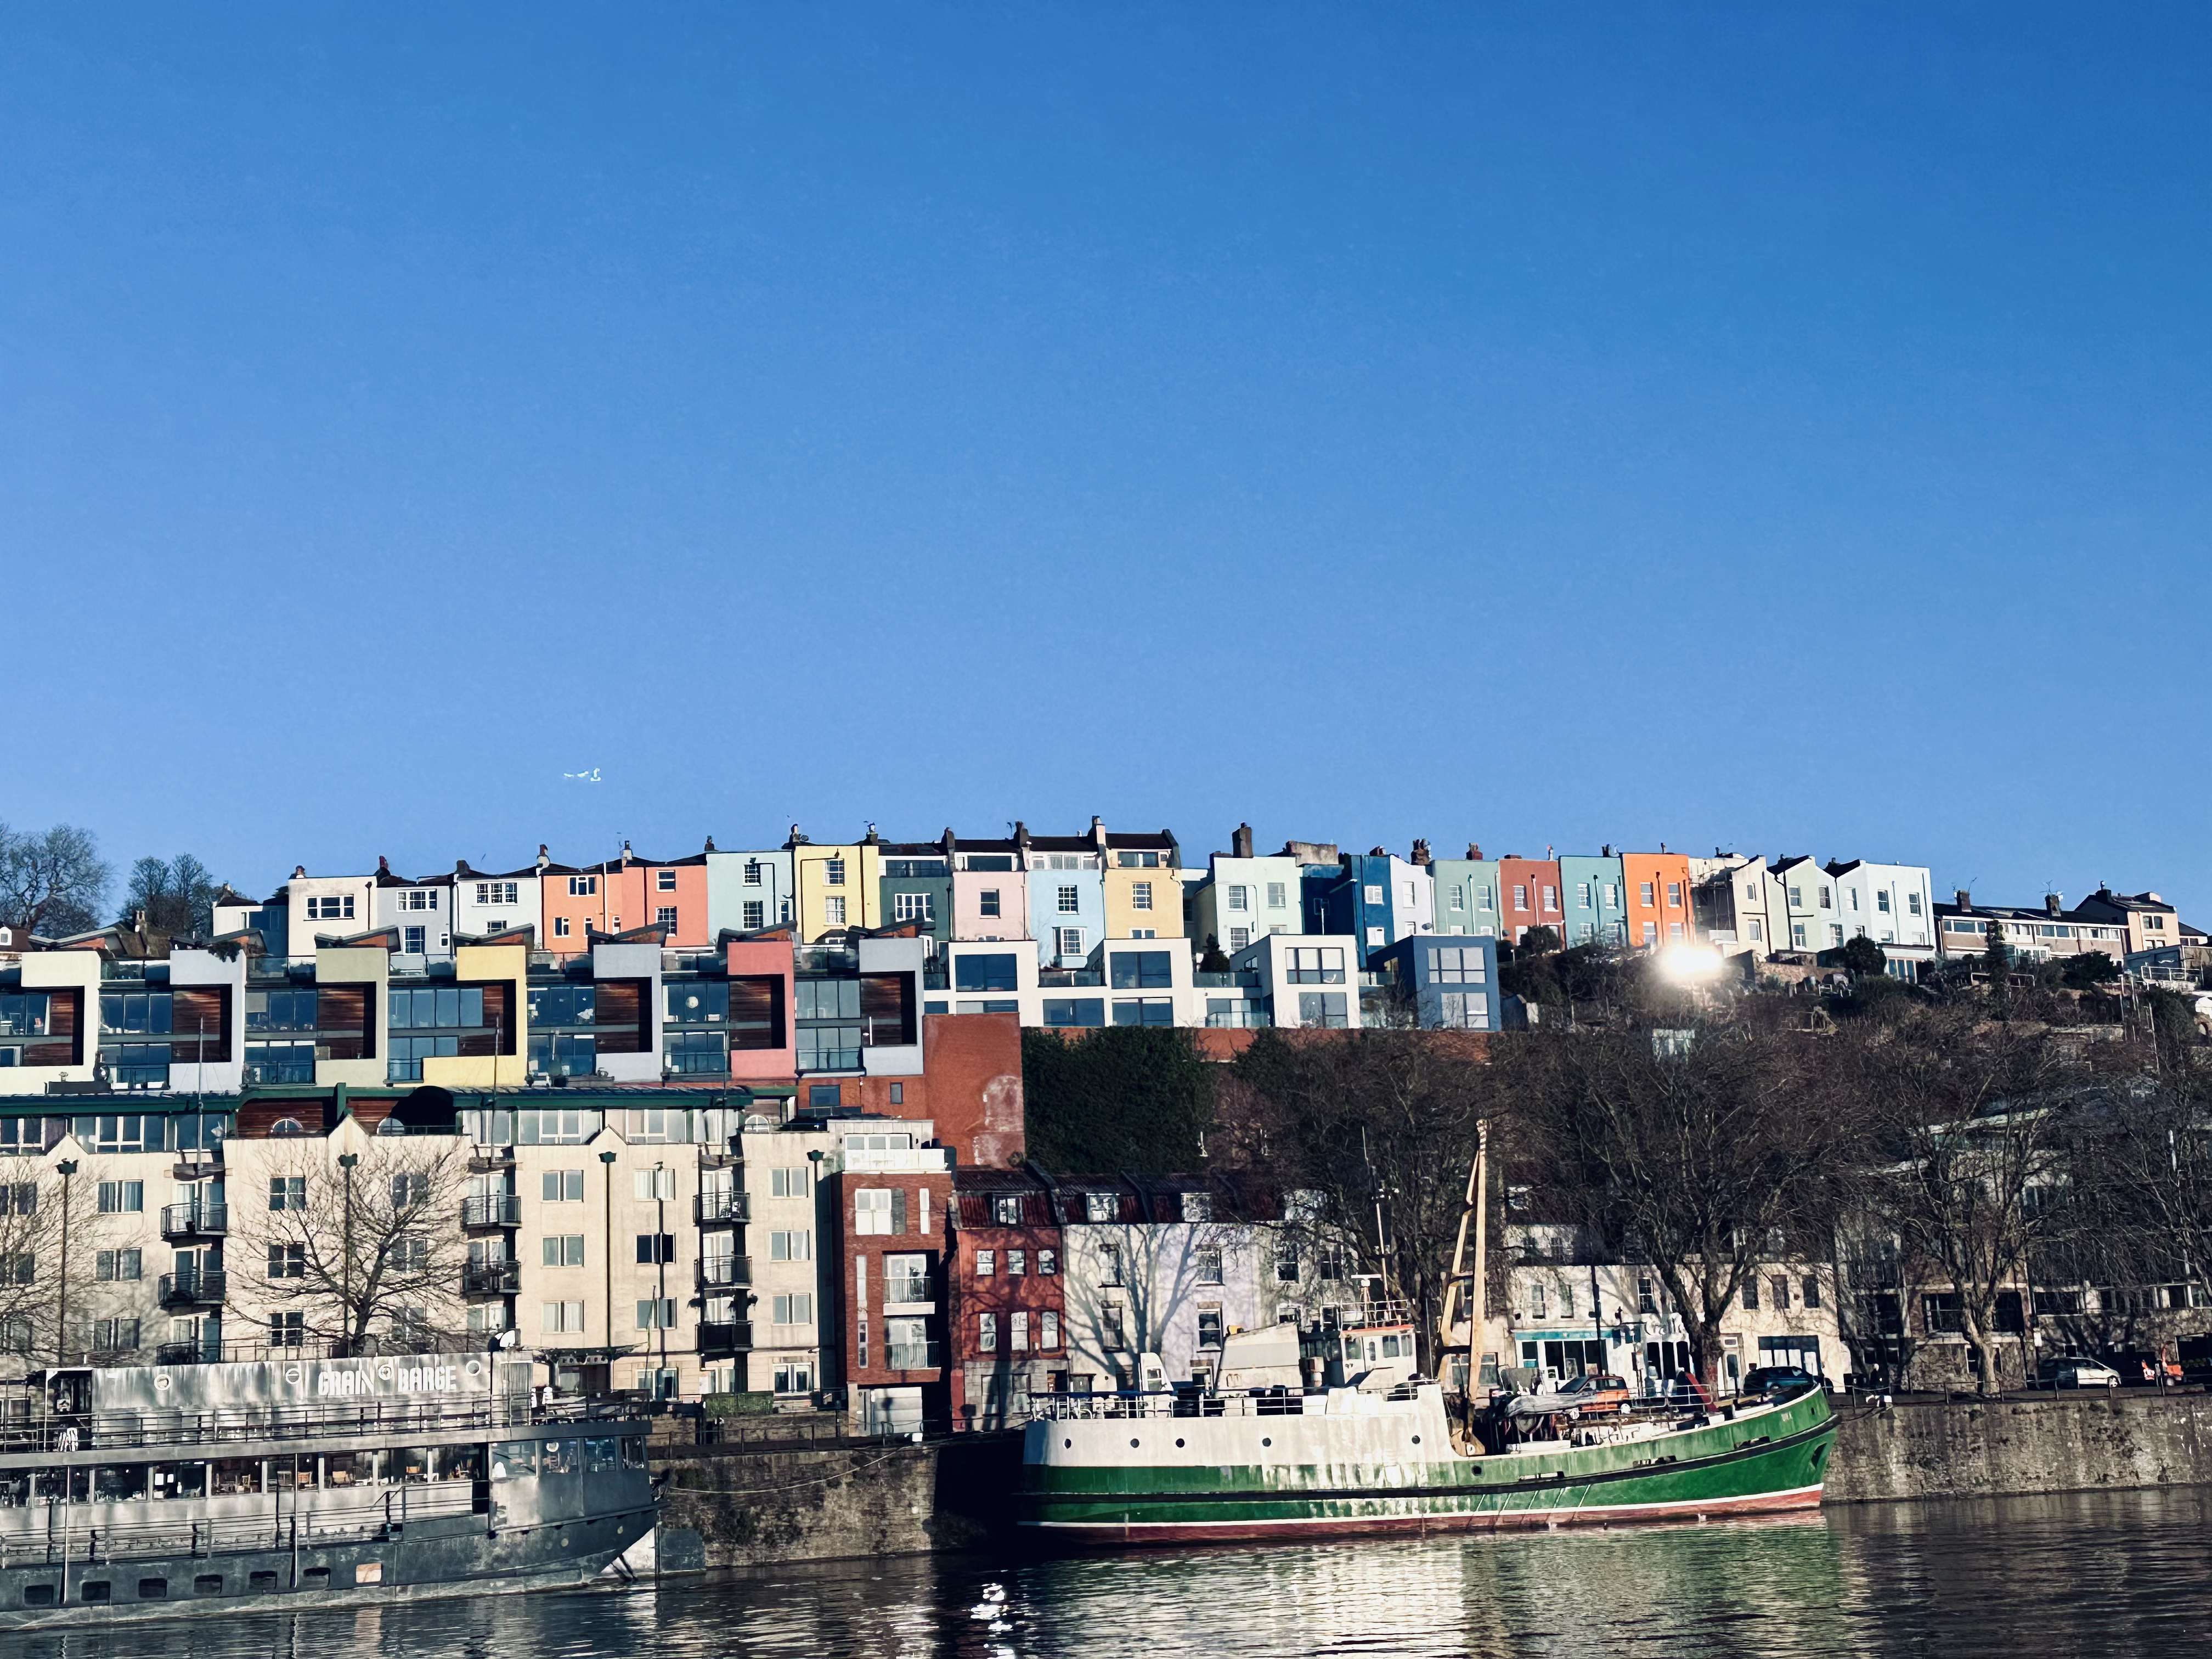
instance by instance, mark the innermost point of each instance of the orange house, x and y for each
(618, 895)
(1658, 899)
(1529, 896)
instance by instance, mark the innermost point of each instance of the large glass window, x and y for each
(696, 1053)
(280, 1010)
(992, 972)
(1456, 965)
(25, 1014)
(1323, 1008)
(564, 1054)
(563, 1004)
(280, 1062)
(134, 1013)
(1142, 971)
(698, 1001)
(1074, 1010)
(439, 1008)
(1144, 1010)
(1316, 964)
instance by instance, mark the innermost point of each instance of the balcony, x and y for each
(721, 1209)
(491, 1279)
(199, 1285)
(494, 1210)
(720, 1272)
(188, 1353)
(914, 1356)
(723, 1337)
(205, 1220)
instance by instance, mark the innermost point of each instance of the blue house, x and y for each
(1354, 900)
(1449, 981)
(1593, 899)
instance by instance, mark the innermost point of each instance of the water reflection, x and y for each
(2118, 1574)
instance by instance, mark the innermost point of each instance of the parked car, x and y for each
(1593, 1394)
(2141, 1368)
(2076, 1371)
(1778, 1379)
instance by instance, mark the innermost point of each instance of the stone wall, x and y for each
(758, 1508)
(2086, 1442)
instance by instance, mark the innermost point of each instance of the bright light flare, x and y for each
(1690, 964)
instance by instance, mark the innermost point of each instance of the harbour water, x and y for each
(2117, 1573)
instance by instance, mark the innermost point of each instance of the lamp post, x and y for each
(66, 1168)
(346, 1163)
(607, 1162)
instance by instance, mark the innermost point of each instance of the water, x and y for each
(2118, 1573)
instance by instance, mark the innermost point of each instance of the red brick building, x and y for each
(1007, 1310)
(892, 1206)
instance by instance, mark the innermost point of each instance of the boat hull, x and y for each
(427, 1562)
(1332, 1482)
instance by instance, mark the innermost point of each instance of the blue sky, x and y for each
(1781, 427)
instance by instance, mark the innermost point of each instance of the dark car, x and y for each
(1778, 1379)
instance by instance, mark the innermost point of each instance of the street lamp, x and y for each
(67, 1168)
(607, 1161)
(346, 1163)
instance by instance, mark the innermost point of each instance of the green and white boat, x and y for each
(1166, 1468)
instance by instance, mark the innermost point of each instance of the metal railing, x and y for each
(98, 1430)
(913, 1356)
(491, 1279)
(713, 1208)
(494, 1210)
(1084, 1407)
(724, 1336)
(721, 1270)
(202, 1285)
(201, 1220)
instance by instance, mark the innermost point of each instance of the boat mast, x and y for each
(1474, 1212)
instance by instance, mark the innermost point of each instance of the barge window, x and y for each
(460, 1463)
(511, 1460)
(559, 1457)
(633, 1451)
(153, 1589)
(235, 1477)
(95, 1591)
(119, 1483)
(598, 1456)
(408, 1465)
(352, 1469)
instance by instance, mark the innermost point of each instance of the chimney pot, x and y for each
(1474, 852)
(1240, 841)
(383, 866)
(298, 872)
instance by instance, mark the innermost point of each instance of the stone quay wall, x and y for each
(756, 1507)
(2072, 1442)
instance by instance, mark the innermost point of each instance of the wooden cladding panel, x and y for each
(199, 1023)
(345, 1021)
(621, 1018)
(64, 1031)
(887, 1007)
(756, 1017)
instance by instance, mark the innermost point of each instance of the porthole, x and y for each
(1133, 1445)
(1416, 1440)
(1265, 1441)
(1178, 1445)
(1067, 1445)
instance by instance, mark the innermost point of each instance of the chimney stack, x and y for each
(1240, 841)
(542, 859)
(1420, 854)
(1966, 899)
(383, 866)
(1474, 852)
(2053, 904)
(298, 872)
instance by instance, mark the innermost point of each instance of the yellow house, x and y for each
(352, 982)
(836, 886)
(502, 973)
(1144, 884)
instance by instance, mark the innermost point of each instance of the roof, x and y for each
(1163, 839)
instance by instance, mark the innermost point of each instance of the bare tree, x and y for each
(51, 881)
(1695, 1150)
(370, 1254)
(177, 894)
(52, 1233)
(1970, 1118)
(1378, 1130)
